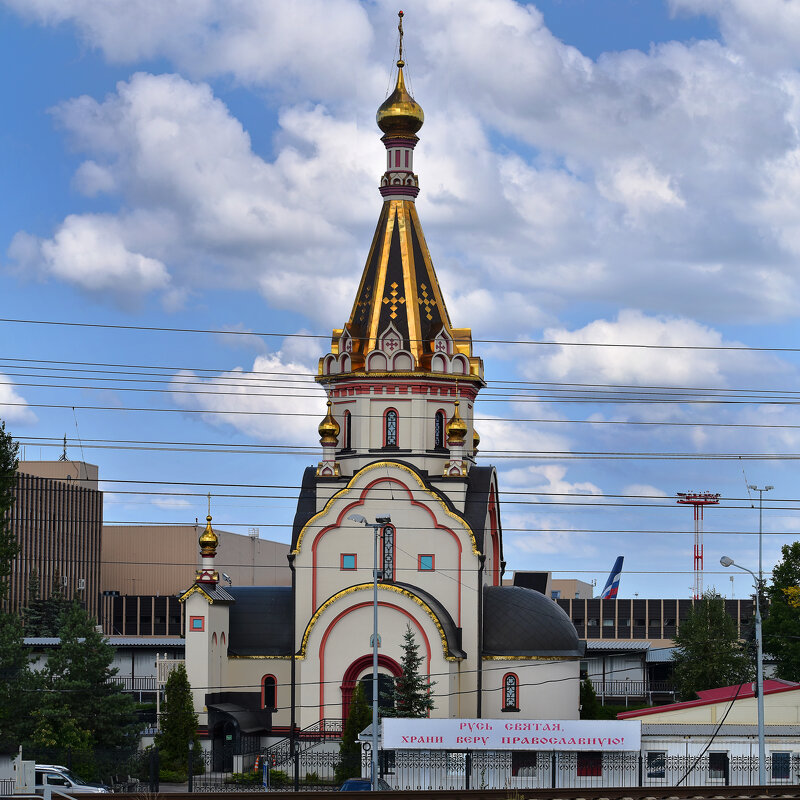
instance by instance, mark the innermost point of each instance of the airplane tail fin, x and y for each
(612, 584)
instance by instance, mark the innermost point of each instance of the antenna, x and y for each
(63, 456)
(698, 500)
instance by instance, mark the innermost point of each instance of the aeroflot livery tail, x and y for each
(612, 584)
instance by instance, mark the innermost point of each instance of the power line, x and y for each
(326, 337)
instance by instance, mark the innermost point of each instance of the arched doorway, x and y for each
(356, 670)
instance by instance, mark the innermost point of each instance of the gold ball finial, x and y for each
(400, 114)
(476, 440)
(456, 428)
(209, 541)
(329, 428)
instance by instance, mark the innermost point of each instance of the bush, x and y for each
(172, 775)
(278, 777)
(246, 777)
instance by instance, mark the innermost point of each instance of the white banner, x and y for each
(511, 734)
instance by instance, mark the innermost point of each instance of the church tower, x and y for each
(401, 379)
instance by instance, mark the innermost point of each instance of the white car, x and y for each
(61, 778)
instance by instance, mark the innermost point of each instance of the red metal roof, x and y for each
(708, 697)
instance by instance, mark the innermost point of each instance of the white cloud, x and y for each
(276, 402)
(643, 490)
(172, 503)
(571, 181)
(13, 407)
(581, 363)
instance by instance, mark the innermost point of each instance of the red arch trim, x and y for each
(344, 613)
(356, 668)
(355, 504)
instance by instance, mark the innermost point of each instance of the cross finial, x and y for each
(209, 504)
(400, 62)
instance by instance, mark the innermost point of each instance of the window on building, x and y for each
(584, 670)
(438, 431)
(387, 548)
(718, 765)
(593, 622)
(390, 429)
(655, 623)
(348, 561)
(781, 765)
(510, 688)
(197, 623)
(523, 763)
(590, 764)
(348, 431)
(426, 563)
(269, 693)
(555, 594)
(656, 763)
(608, 623)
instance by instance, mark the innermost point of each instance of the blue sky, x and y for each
(592, 171)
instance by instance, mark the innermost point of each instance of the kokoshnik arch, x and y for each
(398, 437)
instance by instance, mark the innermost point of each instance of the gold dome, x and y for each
(208, 540)
(329, 428)
(400, 114)
(476, 440)
(456, 428)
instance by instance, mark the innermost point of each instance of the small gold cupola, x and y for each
(456, 428)
(329, 429)
(476, 440)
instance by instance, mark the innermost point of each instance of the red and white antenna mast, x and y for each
(699, 500)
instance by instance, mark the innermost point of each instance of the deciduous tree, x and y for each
(782, 624)
(709, 653)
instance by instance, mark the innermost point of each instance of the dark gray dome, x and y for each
(522, 622)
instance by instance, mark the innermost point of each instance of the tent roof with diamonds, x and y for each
(399, 288)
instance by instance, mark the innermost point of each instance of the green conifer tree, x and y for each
(412, 691)
(9, 547)
(16, 685)
(178, 723)
(359, 717)
(82, 706)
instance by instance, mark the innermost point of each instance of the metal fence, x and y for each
(426, 770)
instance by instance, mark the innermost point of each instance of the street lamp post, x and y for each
(726, 561)
(376, 526)
(760, 510)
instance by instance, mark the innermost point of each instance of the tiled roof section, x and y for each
(479, 483)
(710, 729)
(616, 645)
(261, 621)
(306, 503)
(521, 622)
(451, 630)
(710, 696)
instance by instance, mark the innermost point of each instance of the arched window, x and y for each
(348, 431)
(438, 431)
(390, 428)
(510, 687)
(269, 693)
